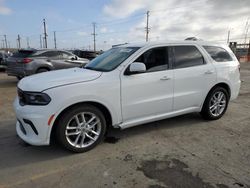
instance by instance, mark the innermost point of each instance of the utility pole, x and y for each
(5, 40)
(45, 34)
(3, 43)
(94, 34)
(18, 41)
(41, 41)
(55, 39)
(147, 27)
(228, 36)
(28, 42)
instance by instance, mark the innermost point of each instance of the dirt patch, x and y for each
(172, 173)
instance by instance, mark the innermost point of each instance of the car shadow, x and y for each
(14, 152)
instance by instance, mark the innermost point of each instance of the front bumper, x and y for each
(35, 131)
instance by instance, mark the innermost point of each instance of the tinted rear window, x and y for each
(218, 54)
(23, 53)
(187, 56)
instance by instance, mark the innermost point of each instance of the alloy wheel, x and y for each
(83, 130)
(217, 103)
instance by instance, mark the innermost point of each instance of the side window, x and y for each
(65, 55)
(187, 56)
(155, 59)
(218, 54)
(52, 54)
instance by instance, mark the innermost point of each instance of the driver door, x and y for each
(150, 94)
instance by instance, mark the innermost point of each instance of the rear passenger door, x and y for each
(53, 57)
(194, 76)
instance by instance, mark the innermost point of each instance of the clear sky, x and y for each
(120, 21)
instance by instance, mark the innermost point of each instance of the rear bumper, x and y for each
(235, 90)
(18, 72)
(15, 72)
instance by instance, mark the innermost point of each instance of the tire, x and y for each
(42, 70)
(213, 108)
(77, 136)
(19, 77)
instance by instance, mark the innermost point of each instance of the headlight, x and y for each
(33, 98)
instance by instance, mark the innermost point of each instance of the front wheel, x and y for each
(81, 128)
(215, 104)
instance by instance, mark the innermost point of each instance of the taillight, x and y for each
(27, 60)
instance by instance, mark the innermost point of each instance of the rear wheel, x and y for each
(215, 104)
(19, 77)
(42, 70)
(81, 128)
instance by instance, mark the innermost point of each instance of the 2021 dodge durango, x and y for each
(124, 87)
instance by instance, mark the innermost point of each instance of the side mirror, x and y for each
(136, 67)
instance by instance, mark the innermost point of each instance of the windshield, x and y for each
(111, 59)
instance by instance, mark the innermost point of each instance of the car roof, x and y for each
(183, 42)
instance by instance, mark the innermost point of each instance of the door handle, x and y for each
(209, 72)
(165, 78)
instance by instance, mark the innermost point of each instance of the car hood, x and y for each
(47, 80)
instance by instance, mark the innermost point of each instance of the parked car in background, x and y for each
(31, 61)
(124, 87)
(3, 56)
(86, 54)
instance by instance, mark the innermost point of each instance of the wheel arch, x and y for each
(223, 85)
(98, 105)
(220, 84)
(43, 67)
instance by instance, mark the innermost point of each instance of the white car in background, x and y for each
(124, 87)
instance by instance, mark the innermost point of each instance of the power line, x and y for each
(124, 20)
(177, 7)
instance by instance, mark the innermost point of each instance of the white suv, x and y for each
(126, 86)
